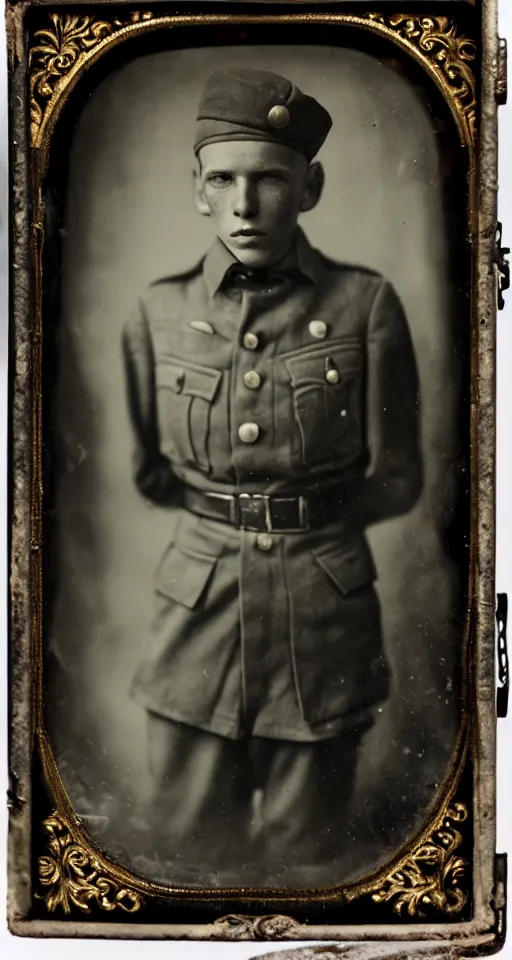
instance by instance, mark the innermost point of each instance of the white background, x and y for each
(12, 948)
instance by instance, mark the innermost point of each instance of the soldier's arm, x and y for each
(151, 469)
(395, 473)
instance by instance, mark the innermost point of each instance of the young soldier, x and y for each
(274, 400)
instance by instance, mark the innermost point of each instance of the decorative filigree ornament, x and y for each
(65, 46)
(430, 876)
(451, 56)
(75, 878)
(61, 48)
(242, 927)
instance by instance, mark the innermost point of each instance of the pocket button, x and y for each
(318, 329)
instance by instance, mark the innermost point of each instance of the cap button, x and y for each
(279, 116)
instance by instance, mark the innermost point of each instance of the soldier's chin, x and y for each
(253, 256)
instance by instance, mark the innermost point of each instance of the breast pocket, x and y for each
(328, 402)
(185, 394)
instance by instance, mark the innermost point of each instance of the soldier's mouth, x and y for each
(248, 232)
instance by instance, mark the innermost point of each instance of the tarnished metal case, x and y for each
(441, 883)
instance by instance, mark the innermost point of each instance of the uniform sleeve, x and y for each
(394, 477)
(151, 469)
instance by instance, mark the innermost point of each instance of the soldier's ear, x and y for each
(313, 186)
(201, 203)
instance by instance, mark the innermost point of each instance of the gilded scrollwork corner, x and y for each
(71, 876)
(450, 54)
(59, 49)
(67, 41)
(244, 927)
(430, 878)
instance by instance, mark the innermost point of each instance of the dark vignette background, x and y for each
(129, 218)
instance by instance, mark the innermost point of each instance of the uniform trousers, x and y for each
(216, 800)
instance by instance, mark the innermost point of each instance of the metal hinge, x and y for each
(502, 267)
(499, 903)
(503, 679)
(501, 73)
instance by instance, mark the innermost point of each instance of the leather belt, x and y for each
(262, 513)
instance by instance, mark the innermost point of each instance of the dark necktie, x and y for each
(255, 281)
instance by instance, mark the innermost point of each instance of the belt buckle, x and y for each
(303, 520)
(254, 512)
(303, 514)
(230, 499)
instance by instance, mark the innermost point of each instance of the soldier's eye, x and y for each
(272, 177)
(220, 179)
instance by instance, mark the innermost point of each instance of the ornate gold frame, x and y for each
(64, 52)
(73, 875)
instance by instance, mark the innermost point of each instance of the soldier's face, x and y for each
(254, 192)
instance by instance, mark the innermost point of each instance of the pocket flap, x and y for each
(188, 378)
(349, 566)
(184, 577)
(309, 366)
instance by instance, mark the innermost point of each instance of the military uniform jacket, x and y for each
(273, 635)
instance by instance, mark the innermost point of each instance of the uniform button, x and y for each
(264, 541)
(332, 376)
(252, 380)
(343, 413)
(318, 329)
(250, 341)
(249, 432)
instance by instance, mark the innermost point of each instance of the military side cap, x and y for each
(242, 104)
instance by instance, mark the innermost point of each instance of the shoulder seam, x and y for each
(179, 277)
(345, 265)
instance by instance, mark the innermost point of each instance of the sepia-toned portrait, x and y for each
(257, 458)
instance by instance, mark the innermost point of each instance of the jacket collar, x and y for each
(302, 257)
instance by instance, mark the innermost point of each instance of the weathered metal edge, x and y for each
(484, 396)
(19, 845)
(20, 685)
(186, 4)
(467, 941)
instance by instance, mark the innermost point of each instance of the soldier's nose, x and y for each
(246, 202)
